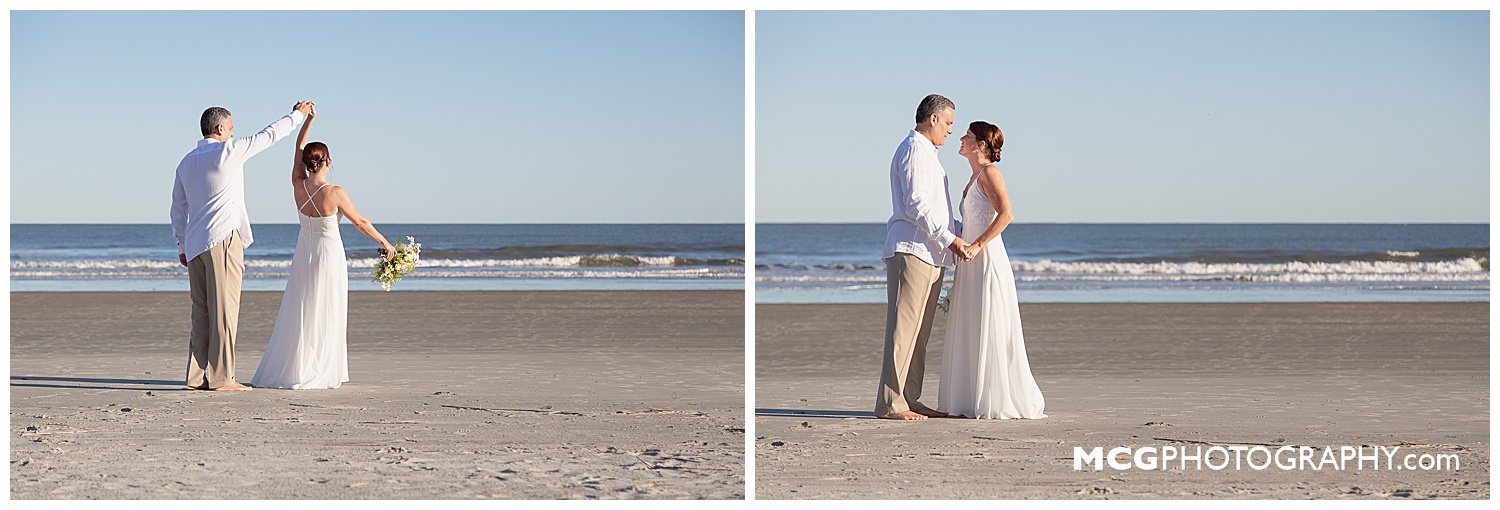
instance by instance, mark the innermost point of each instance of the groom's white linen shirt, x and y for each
(921, 211)
(208, 197)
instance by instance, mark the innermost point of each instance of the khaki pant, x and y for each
(912, 287)
(215, 280)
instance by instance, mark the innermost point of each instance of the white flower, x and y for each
(403, 263)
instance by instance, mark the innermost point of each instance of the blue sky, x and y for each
(1136, 116)
(463, 117)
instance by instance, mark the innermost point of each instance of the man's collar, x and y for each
(923, 140)
(206, 141)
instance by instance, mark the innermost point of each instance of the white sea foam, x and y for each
(821, 278)
(1465, 269)
(686, 273)
(1282, 278)
(600, 260)
(90, 264)
(1407, 254)
(1448, 267)
(603, 260)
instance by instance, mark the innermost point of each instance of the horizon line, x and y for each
(832, 223)
(405, 223)
(1158, 223)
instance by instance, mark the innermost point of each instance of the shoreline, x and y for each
(1179, 297)
(430, 285)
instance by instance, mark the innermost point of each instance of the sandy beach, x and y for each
(453, 395)
(1413, 375)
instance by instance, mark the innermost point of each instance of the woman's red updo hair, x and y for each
(312, 154)
(990, 136)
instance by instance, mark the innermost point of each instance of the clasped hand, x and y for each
(306, 107)
(963, 249)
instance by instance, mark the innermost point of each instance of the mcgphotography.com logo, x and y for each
(1260, 458)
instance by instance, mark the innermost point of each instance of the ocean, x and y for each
(111, 257)
(840, 263)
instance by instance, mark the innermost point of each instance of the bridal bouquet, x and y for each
(391, 271)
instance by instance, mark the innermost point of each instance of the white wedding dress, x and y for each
(985, 373)
(308, 347)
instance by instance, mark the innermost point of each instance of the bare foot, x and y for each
(233, 386)
(931, 413)
(902, 415)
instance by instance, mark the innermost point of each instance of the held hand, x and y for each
(312, 112)
(303, 106)
(182, 257)
(959, 247)
(971, 250)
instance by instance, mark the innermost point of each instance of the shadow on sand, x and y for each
(92, 383)
(812, 413)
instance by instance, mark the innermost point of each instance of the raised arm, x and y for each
(993, 185)
(346, 206)
(298, 172)
(243, 148)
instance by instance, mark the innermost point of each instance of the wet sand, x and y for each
(1414, 375)
(453, 395)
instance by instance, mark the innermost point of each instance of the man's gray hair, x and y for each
(931, 105)
(213, 117)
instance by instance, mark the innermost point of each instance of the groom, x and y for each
(918, 240)
(212, 229)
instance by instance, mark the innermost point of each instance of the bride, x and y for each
(985, 373)
(307, 348)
